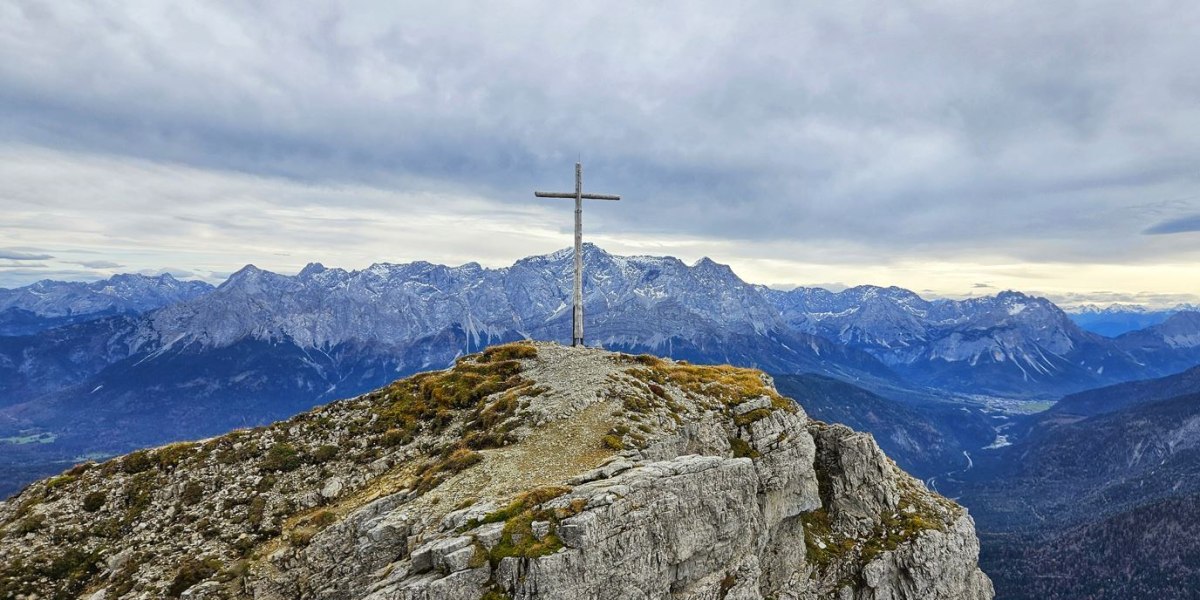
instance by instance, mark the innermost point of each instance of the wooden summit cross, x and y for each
(579, 196)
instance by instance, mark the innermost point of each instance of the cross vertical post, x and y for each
(577, 288)
(577, 293)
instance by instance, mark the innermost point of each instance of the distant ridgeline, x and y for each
(49, 304)
(139, 361)
(1117, 319)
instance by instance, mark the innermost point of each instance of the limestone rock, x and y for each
(332, 488)
(528, 471)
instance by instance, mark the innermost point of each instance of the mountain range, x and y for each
(1010, 344)
(129, 368)
(1115, 319)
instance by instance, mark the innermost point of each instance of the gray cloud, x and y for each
(14, 255)
(18, 277)
(96, 264)
(1027, 132)
(1180, 225)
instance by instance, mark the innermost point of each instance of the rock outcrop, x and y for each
(526, 471)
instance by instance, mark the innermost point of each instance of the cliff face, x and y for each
(528, 471)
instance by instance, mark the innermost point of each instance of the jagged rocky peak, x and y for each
(530, 470)
(249, 270)
(1014, 303)
(311, 269)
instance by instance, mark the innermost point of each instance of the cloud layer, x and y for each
(1186, 224)
(936, 143)
(15, 255)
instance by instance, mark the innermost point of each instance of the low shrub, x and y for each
(137, 462)
(324, 453)
(93, 501)
(192, 493)
(517, 351)
(742, 449)
(281, 457)
(191, 572)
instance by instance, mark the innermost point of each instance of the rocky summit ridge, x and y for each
(529, 470)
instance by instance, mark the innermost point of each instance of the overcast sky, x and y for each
(953, 148)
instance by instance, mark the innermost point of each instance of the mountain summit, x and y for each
(525, 471)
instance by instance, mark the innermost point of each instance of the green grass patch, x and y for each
(136, 462)
(757, 414)
(912, 518)
(742, 449)
(517, 537)
(432, 400)
(170, 456)
(731, 385)
(191, 572)
(612, 442)
(514, 351)
(281, 457)
(93, 501)
(61, 481)
(436, 472)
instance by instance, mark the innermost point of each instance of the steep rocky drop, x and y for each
(530, 470)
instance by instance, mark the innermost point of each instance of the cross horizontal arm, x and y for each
(572, 195)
